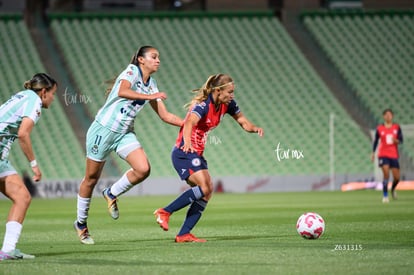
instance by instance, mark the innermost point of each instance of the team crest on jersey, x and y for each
(94, 149)
(130, 73)
(196, 162)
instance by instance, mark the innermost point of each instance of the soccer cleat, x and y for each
(17, 254)
(394, 194)
(112, 206)
(188, 238)
(385, 200)
(5, 256)
(162, 217)
(83, 234)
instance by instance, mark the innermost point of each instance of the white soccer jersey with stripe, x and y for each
(118, 113)
(23, 104)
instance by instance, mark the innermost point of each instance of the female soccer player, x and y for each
(212, 102)
(17, 119)
(113, 130)
(390, 135)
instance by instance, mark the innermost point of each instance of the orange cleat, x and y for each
(162, 217)
(188, 238)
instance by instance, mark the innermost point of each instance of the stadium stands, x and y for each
(275, 87)
(374, 53)
(58, 152)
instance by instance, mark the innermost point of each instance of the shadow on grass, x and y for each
(210, 238)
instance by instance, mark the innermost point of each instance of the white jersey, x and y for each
(118, 113)
(23, 104)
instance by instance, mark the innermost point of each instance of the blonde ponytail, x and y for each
(217, 81)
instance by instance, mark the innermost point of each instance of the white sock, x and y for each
(121, 186)
(83, 209)
(13, 230)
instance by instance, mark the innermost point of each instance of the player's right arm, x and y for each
(26, 145)
(374, 145)
(125, 91)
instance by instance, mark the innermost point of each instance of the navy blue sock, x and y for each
(185, 199)
(394, 185)
(193, 216)
(385, 188)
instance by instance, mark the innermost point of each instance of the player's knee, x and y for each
(207, 190)
(140, 173)
(22, 198)
(90, 181)
(27, 199)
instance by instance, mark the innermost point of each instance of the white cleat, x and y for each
(83, 234)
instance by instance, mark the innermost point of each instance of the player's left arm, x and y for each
(247, 125)
(25, 142)
(399, 139)
(159, 107)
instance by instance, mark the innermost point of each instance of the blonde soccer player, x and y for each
(18, 116)
(113, 130)
(211, 103)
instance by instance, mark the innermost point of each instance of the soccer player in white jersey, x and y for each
(17, 118)
(113, 130)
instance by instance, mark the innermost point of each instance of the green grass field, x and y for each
(247, 234)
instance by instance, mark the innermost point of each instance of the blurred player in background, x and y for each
(17, 119)
(390, 136)
(211, 103)
(113, 130)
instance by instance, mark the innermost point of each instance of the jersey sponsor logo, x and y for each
(138, 102)
(196, 162)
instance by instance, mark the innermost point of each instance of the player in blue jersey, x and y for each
(113, 130)
(212, 102)
(18, 116)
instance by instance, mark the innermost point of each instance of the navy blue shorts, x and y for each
(393, 163)
(187, 163)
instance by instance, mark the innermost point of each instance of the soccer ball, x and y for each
(310, 225)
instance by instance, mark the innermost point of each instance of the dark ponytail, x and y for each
(141, 52)
(40, 81)
(134, 60)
